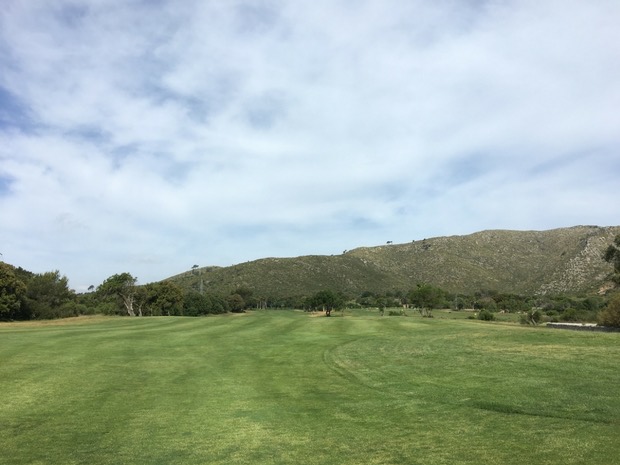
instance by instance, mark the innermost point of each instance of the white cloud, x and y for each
(146, 138)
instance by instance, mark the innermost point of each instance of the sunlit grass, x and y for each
(286, 387)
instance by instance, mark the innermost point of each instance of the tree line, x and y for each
(25, 296)
(35, 296)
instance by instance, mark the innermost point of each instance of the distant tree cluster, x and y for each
(30, 296)
(325, 301)
(25, 295)
(424, 298)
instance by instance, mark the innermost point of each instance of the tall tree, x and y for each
(123, 287)
(46, 294)
(12, 290)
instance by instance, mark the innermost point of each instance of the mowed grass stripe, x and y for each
(286, 387)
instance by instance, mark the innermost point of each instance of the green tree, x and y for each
(196, 304)
(247, 295)
(12, 291)
(327, 301)
(123, 288)
(235, 303)
(612, 255)
(160, 298)
(48, 296)
(610, 315)
(218, 304)
(426, 298)
(367, 299)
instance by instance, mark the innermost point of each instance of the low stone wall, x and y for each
(583, 327)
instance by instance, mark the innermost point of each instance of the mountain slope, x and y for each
(566, 260)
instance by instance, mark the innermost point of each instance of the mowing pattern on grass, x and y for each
(282, 387)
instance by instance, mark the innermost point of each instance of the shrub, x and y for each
(610, 315)
(486, 315)
(532, 317)
(107, 308)
(569, 315)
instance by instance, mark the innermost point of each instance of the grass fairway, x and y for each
(285, 387)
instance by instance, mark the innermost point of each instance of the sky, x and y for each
(148, 136)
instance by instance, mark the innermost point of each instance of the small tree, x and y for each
(532, 317)
(426, 298)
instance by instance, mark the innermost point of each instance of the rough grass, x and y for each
(283, 387)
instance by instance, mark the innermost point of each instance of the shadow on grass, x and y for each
(506, 409)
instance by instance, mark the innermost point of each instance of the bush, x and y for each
(610, 315)
(486, 315)
(569, 315)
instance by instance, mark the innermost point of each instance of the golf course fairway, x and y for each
(287, 387)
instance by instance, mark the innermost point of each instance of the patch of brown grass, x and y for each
(77, 320)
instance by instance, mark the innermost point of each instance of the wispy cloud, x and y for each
(150, 136)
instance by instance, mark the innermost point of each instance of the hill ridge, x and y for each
(561, 260)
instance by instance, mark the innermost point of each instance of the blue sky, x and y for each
(149, 136)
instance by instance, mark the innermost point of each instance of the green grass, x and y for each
(287, 387)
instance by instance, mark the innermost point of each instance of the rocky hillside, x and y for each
(566, 260)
